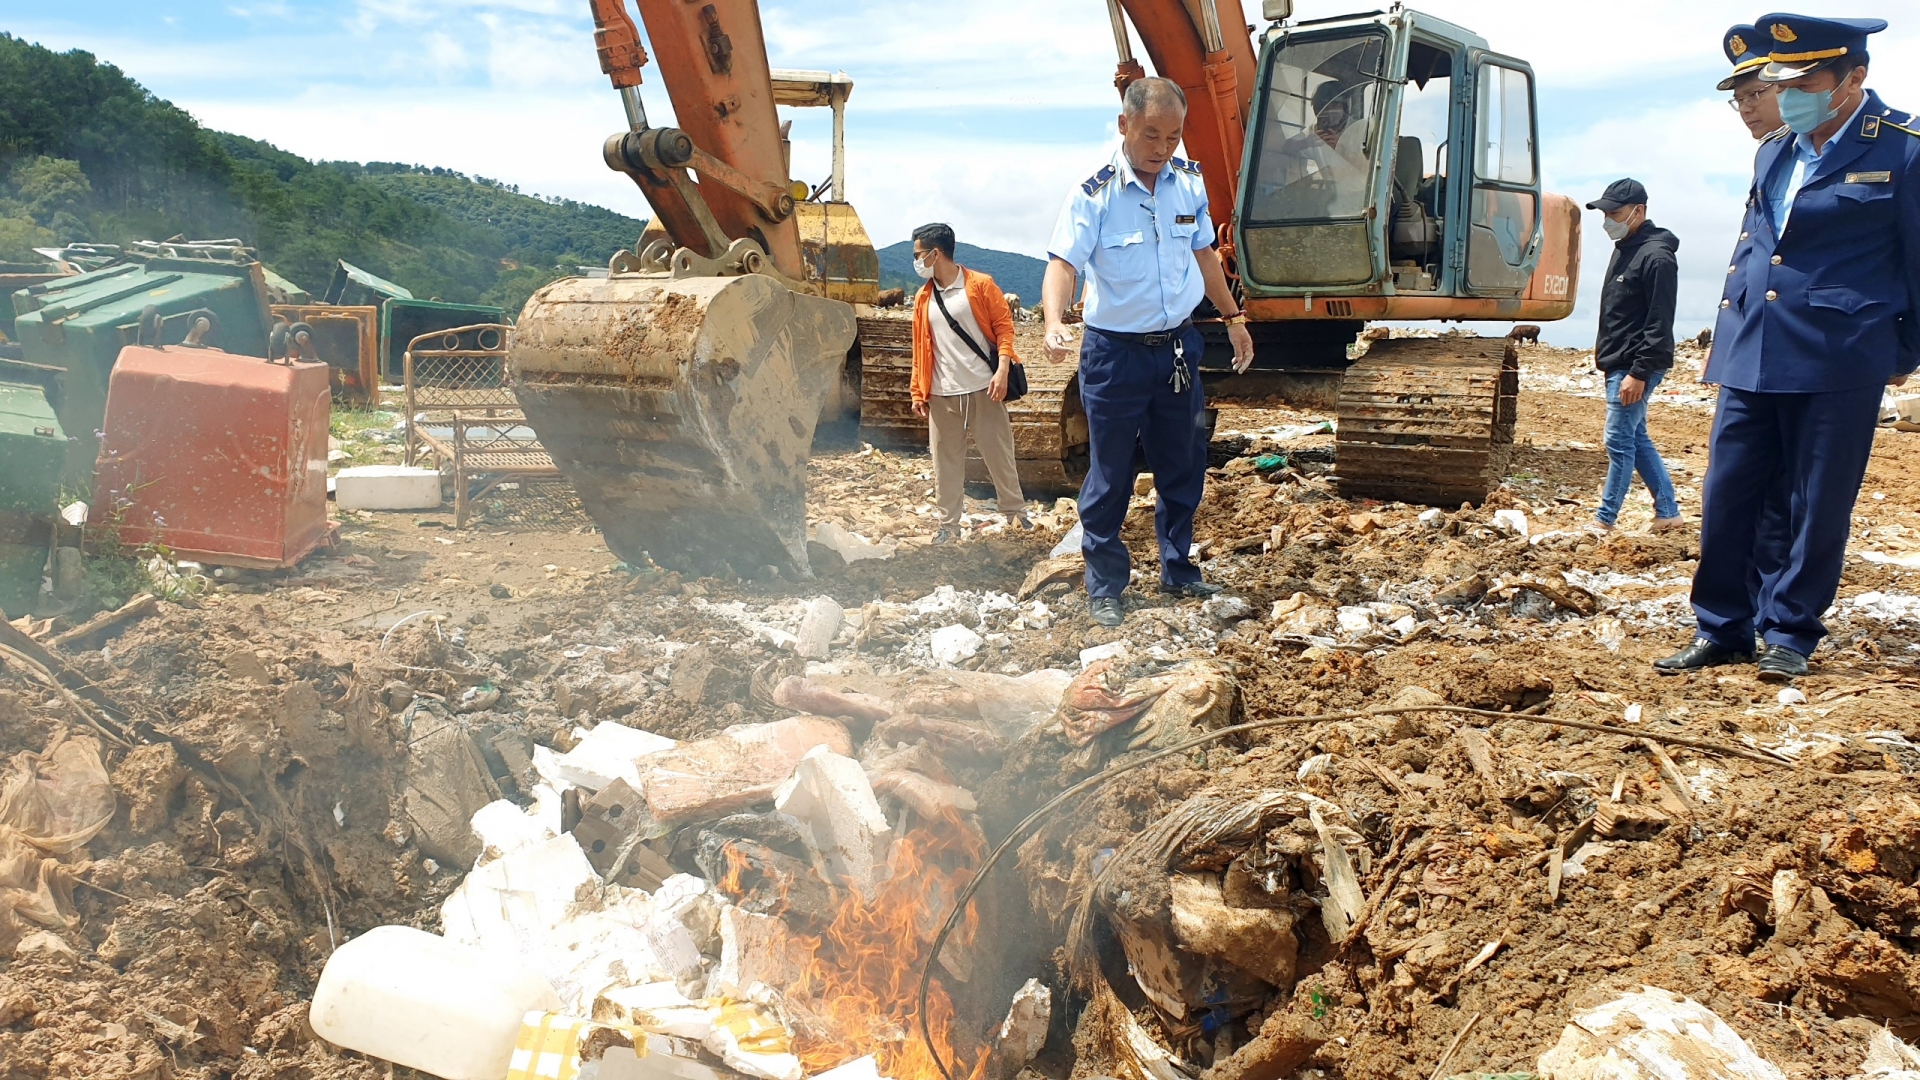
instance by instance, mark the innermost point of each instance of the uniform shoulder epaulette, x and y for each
(1778, 133)
(1906, 126)
(1186, 166)
(1098, 180)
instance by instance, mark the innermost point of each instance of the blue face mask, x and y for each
(1805, 110)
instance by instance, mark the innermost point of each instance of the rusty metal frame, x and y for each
(462, 411)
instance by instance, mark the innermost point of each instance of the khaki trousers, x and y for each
(949, 420)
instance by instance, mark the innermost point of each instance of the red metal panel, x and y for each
(217, 457)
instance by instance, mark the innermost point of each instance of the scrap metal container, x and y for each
(348, 338)
(78, 325)
(33, 448)
(403, 320)
(219, 458)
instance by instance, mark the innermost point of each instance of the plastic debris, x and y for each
(1652, 1034)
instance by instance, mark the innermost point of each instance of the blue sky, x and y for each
(982, 114)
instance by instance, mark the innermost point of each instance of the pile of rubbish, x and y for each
(756, 903)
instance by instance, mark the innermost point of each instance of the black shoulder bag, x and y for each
(1016, 379)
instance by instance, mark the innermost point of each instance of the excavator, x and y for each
(1380, 166)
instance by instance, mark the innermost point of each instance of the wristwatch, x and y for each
(1238, 318)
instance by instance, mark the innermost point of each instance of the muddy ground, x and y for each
(260, 815)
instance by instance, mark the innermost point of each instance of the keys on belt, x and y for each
(1181, 378)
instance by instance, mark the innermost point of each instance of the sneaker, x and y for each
(1020, 521)
(1106, 610)
(1197, 590)
(943, 536)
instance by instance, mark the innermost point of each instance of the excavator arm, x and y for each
(713, 58)
(1214, 63)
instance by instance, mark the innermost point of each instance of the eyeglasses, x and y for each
(1751, 97)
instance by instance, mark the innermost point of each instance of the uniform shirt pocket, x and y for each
(1841, 298)
(1863, 193)
(1123, 256)
(1184, 232)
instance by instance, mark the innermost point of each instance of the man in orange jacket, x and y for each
(962, 358)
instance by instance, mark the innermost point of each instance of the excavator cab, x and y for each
(1392, 171)
(1357, 199)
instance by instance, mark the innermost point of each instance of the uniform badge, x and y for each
(1870, 127)
(1098, 180)
(1783, 32)
(1185, 219)
(1738, 44)
(1869, 178)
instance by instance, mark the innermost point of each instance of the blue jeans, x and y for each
(1629, 449)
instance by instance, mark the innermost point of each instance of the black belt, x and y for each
(1153, 340)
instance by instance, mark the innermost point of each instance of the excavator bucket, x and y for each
(683, 410)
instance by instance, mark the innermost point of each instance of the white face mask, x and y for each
(1616, 230)
(924, 268)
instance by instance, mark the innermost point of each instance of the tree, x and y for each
(48, 186)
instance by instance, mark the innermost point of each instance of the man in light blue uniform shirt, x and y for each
(1139, 229)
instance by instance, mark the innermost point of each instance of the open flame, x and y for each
(864, 978)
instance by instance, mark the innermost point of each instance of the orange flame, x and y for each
(864, 978)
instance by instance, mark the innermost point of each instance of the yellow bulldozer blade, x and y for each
(683, 410)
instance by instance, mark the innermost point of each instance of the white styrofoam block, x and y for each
(830, 797)
(387, 487)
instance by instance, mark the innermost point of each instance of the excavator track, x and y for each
(1049, 424)
(1428, 420)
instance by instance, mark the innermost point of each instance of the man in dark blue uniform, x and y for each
(1818, 317)
(1140, 230)
(1758, 104)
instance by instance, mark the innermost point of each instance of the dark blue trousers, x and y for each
(1772, 543)
(1818, 445)
(1124, 387)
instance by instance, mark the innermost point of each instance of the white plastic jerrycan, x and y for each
(419, 1000)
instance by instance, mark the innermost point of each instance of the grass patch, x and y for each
(365, 433)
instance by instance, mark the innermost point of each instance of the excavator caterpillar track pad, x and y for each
(1049, 424)
(683, 411)
(1428, 420)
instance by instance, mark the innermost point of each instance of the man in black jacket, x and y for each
(1635, 348)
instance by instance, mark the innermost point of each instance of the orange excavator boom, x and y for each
(714, 57)
(1214, 63)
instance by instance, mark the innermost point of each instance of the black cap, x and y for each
(1627, 192)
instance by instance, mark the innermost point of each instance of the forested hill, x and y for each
(87, 154)
(1014, 273)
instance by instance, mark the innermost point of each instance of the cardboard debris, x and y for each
(755, 950)
(736, 768)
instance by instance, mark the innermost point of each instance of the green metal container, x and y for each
(34, 448)
(79, 324)
(403, 320)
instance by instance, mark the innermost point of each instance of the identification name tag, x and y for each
(1869, 178)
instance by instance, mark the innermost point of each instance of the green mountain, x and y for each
(1014, 273)
(87, 154)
